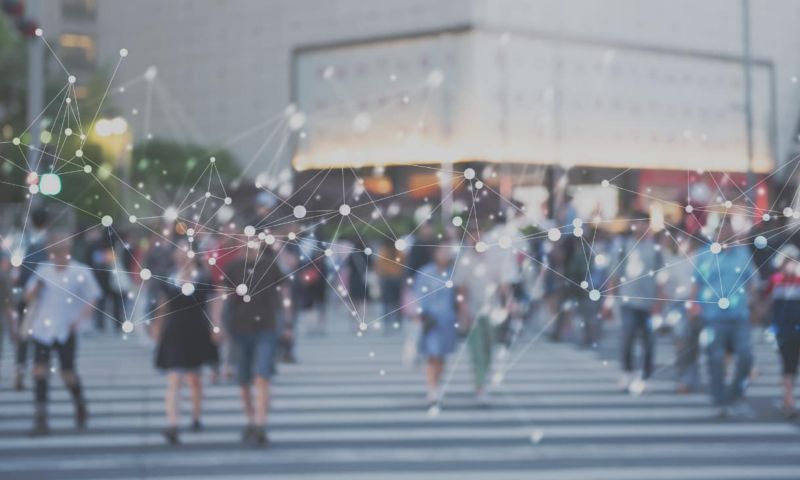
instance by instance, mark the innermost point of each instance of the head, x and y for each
(442, 256)
(60, 248)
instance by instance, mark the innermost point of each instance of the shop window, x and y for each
(78, 50)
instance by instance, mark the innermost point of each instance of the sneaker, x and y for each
(637, 387)
(19, 383)
(741, 409)
(171, 435)
(81, 416)
(40, 428)
(247, 434)
(197, 426)
(256, 436)
(789, 412)
(624, 382)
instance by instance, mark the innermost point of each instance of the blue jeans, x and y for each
(728, 335)
(254, 350)
(636, 322)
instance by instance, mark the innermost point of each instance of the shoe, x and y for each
(789, 412)
(19, 383)
(197, 426)
(247, 434)
(171, 435)
(40, 428)
(637, 387)
(741, 409)
(81, 416)
(255, 436)
(624, 382)
(722, 413)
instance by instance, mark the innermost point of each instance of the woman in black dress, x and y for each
(184, 334)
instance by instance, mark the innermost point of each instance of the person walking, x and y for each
(184, 335)
(784, 289)
(436, 301)
(391, 272)
(60, 295)
(252, 318)
(725, 276)
(635, 283)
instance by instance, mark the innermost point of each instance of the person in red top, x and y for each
(784, 288)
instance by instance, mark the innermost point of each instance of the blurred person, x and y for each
(484, 282)
(358, 264)
(104, 262)
(60, 295)
(7, 310)
(686, 329)
(591, 268)
(391, 272)
(784, 289)
(724, 279)
(313, 284)
(35, 252)
(252, 320)
(637, 286)
(422, 248)
(289, 260)
(184, 334)
(436, 303)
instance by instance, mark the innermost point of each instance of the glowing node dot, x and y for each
(212, 261)
(584, 284)
(15, 140)
(71, 79)
(344, 210)
(145, 274)
(79, 153)
(787, 212)
(299, 211)
(469, 173)
(766, 217)
(362, 326)
(715, 248)
(249, 230)
(723, 303)
(227, 200)
(400, 244)
(637, 387)
(216, 329)
(481, 247)
(368, 251)
(132, 219)
(123, 52)
(504, 241)
(16, 259)
(33, 189)
(688, 209)
(536, 436)
(127, 326)
(478, 184)
(68, 131)
(87, 169)
(246, 299)
(760, 242)
(458, 221)
(554, 234)
(578, 232)
(328, 252)
(605, 183)
(106, 220)
(241, 289)
(448, 284)
(187, 288)
(171, 214)
(38, 32)
(292, 235)
(594, 295)
(270, 239)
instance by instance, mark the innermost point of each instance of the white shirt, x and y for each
(65, 294)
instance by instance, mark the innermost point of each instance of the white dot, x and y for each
(584, 284)
(765, 217)
(246, 299)
(787, 212)
(536, 436)
(87, 168)
(15, 140)
(367, 251)
(216, 329)
(241, 289)
(270, 239)
(458, 221)
(79, 153)
(297, 121)
(16, 259)
(33, 189)
(469, 174)
(132, 219)
(554, 234)
(448, 284)
(68, 131)
(145, 274)
(724, 303)
(171, 214)
(212, 261)
(106, 220)
(127, 326)
(400, 244)
(299, 211)
(292, 235)
(123, 52)
(187, 289)
(71, 79)
(478, 185)
(363, 326)
(38, 32)
(249, 230)
(760, 242)
(227, 200)
(604, 183)
(594, 295)
(688, 208)
(344, 209)
(481, 247)
(212, 159)
(504, 241)
(328, 252)
(578, 232)
(715, 248)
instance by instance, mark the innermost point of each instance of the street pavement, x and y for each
(351, 410)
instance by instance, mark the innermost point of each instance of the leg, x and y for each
(743, 350)
(628, 337)
(432, 375)
(262, 401)
(72, 382)
(716, 365)
(648, 343)
(172, 398)
(41, 367)
(790, 351)
(195, 382)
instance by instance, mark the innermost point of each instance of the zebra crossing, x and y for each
(351, 410)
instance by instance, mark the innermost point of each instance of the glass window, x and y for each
(78, 50)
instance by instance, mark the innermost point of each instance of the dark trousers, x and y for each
(725, 336)
(636, 324)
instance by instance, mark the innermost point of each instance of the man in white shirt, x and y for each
(60, 295)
